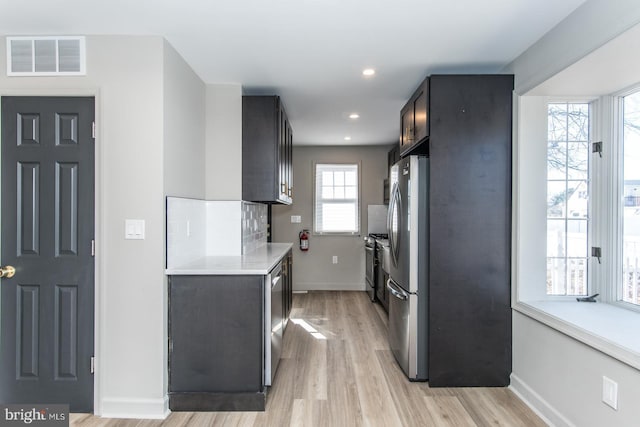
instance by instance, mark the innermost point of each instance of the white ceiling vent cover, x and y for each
(46, 56)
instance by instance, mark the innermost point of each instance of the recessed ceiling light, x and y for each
(347, 138)
(354, 116)
(368, 72)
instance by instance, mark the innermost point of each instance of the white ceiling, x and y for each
(312, 52)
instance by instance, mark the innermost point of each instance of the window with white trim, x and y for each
(336, 201)
(568, 199)
(630, 186)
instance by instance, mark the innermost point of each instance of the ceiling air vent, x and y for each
(46, 56)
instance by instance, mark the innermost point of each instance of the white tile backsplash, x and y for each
(198, 228)
(254, 226)
(377, 218)
(186, 230)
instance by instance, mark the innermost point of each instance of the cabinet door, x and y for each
(288, 163)
(216, 333)
(421, 113)
(406, 126)
(282, 154)
(470, 295)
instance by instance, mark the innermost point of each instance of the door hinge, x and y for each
(93, 248)
(93, 130)
(596, 147)
(597, 253)
(93, 364)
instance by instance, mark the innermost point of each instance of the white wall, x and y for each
(314, 270)
(556, 374)
(184, 147)
(184, 127)
(563, 378)
(224, 142)
(125, 74)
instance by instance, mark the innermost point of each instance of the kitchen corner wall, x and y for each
(314, 270)
(150, 141)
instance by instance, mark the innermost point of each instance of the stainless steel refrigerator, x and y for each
(408, 229)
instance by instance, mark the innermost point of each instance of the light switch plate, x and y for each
(295, 219)
(610, 392)
(134, 229)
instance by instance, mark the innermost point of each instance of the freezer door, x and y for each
(399, 324)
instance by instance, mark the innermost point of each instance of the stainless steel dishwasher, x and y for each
(274, 324)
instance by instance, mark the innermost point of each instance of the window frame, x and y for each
(590, 188)
(358, 201)
(615, 293)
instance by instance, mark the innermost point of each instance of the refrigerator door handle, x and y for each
(396, 291)
(394, 206)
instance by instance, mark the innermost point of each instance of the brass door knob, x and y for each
(7, 271)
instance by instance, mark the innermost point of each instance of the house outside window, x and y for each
(336, 199)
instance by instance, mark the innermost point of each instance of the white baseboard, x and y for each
(328, 287)
(156, 409)
(541, 407)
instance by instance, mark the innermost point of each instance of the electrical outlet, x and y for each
(296, 219)
(335, 259)
(610, 392)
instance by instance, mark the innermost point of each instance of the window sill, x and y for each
(605, 327)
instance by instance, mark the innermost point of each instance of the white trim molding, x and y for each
(155, 409)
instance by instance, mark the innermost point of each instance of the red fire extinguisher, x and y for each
(304, 240)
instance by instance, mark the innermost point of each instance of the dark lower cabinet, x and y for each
(216, 343)
(217, 340)
(470, 230)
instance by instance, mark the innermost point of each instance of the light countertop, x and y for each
(258, 262)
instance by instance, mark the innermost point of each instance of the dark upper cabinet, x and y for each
(267, 153)
(414, 120)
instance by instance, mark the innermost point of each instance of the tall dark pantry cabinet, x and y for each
(469, 145)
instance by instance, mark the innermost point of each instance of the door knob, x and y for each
(8, 271)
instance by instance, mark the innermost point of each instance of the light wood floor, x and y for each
(337, 370)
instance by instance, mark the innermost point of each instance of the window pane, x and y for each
(338, 178)
(557, 122)
(567, 199)
(556, 199)
(577, 238)
(350, 178)
(339, 192)
(556, 276)
(327, 178)
(350, 192)
(631, 200)
(327, 192)
(338, 217)
(556, 160)
(556, 238)
(578, 122)
(577, 160)
(576, 276)
(578, 199)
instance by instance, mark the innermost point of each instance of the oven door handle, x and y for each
(396, 291)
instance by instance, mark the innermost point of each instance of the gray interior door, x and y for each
(47, 308)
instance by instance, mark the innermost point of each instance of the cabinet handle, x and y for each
(283, 188)
(290, 191)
